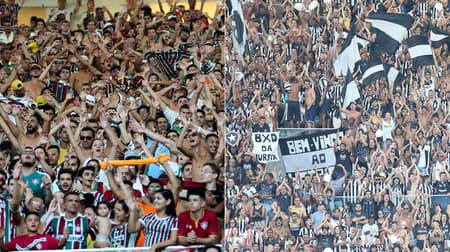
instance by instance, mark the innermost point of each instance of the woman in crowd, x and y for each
(160, 228)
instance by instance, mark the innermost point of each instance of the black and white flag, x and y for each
(374, 71)
(238, 30)
(394, 76)
(349, 54)
(420, 51)
(390, 29)
(351, 92)
(438, 37)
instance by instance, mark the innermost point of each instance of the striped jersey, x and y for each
(158, 229)
(166, 60)
(78, 230)
(6, 220)
(121, 238)
(60, 89)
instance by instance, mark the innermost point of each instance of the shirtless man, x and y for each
(293, 103)
(31, 136)
(267, 111)
(309, 97)
(196, 150)
(352, 113)
(165, 42)
(35, 85)
(84, 75)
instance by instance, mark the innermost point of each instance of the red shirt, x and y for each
(203, 227)
(36, 242)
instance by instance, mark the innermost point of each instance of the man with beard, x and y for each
(87, 134)
(31, 136)
(38, 182)
(61, 140)
(53, 156)
(214, 144)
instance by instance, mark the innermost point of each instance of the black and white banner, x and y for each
(349, 54)
(393, 75)
(239, 30)
(420, 51)
(309, 151)
(390, 29)
(374, 71)
(265, 146)
(438, 37)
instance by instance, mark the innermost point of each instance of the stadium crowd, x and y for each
(135, 84)
(389, 188)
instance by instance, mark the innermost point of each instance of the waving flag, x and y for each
(390, 29)
(393, 75)
(438, 37)
(420, 51)
(349, 54)
(238, 31)
(351, 92)
(374, 71)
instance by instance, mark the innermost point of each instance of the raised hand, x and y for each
(123, 114)
(53, 206)
(136, 127)
(131, 204)
(66, 122)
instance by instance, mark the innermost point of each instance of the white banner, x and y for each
(309, 151)
(310, 160)
(265, 146)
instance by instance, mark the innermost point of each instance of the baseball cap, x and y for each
(17, 85)
(109, 24)
(41, 100)
(131, 154)
(170, 17)
(34, 66)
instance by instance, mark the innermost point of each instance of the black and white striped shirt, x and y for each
(423, 8)
(354, 191)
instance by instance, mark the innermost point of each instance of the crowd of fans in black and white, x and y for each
(389, 189)
(128, 85)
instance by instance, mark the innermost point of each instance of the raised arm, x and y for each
(134, 225)
(9, 131)
(80, 154)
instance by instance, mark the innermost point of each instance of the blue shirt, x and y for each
(154, 170)
(317, 217)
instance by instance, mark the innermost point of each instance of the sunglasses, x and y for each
(85, 138)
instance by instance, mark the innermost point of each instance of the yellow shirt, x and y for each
(62, 154)
(300, 210)
(90, 243)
